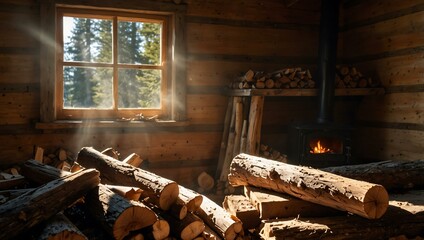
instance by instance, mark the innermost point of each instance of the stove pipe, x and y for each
(327, 56)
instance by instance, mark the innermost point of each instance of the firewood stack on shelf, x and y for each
(107, 198)
(350, 77)
(295, 77)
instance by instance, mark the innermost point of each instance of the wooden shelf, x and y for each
(304, 92)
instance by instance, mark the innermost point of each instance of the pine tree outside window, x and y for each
(111, 64)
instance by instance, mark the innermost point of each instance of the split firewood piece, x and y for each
(60, 227)
(243, 209)
(272, 204)
(117, 215)
(393, 175)
(222, 222)
(20, 214)
(130, 193)
(192, 199)
(39, 154)
(205, 181)
(133, 159)
(365, 199)
(161, 191)
(111, 153)
(186, 229)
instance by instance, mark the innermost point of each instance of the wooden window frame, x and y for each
(174, 103)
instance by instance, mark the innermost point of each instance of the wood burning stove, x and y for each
(320, 145)
(323, 143)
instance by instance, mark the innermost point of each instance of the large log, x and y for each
(393, 175)
(29, 209)
(403, 217)
(118, 215)
(365, 199)
(161, 191)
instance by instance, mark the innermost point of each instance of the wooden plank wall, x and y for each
(385, 38)
(224, 38)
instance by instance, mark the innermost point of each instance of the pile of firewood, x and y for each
(285, 78)
(351, 77)
(299, 78)
(283, 201)
(127, 202)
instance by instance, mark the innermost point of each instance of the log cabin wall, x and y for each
(385, 39)
(225, 39)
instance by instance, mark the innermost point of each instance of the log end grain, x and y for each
(168, 196)
(194, 203)
(376, 202)
(192, 230)
(133, 218)
(161, 229)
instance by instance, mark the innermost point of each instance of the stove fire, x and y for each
(320, 149)
(326, 145)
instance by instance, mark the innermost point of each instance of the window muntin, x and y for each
(112, 64)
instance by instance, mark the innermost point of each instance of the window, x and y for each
(110, 63)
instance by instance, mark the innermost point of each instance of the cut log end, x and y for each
(376, 202)
(161, 229)
(194, 203)
(169, 196)
(192, 230)
(126, 222)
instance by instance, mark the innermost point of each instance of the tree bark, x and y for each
(161, 191)
(192, 199)
(117, 215)
(59, 227)
(393, 175)
(222, 222)
(365, 199)
(29, 209)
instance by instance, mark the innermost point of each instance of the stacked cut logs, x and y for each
(296, 77)
(271, 153)
(127, 202)
(351, 77)
(283, 201)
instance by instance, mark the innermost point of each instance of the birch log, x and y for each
(161, 191)
(362, 198)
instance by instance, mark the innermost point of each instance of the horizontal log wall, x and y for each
(224, 39)
(385, 39)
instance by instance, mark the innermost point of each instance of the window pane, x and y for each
(87, 87)
(87, 40)
(139, 43)
(139, 88)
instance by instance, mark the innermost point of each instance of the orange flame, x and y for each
(320, 149)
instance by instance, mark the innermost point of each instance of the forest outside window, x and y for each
(111, 64)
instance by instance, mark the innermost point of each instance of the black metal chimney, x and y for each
(327, 55)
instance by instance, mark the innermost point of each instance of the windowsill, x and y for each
(78, 124)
